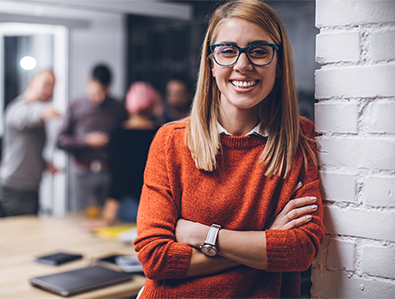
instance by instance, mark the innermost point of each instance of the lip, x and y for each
(244, 88)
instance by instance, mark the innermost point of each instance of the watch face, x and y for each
(209, 250)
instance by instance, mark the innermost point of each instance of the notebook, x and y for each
(57, 259)
(80, 280)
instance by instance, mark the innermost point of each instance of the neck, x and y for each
(239, 123)
(139, 121)
(178, 113)
(29, 96)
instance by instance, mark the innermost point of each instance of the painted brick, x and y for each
(357, 222)
(353, 12)
(339, 117)
(341, 254)
(382, 45)
(357, 152)
(379, 191)
(379, 117)
(339, 186)
(356, 81)
(378, 261)
(328, 284)
(337, 46)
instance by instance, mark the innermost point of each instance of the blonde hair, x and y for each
(278, 112)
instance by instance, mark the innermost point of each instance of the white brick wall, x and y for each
(355, 116)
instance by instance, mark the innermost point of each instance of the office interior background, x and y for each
(139, 40)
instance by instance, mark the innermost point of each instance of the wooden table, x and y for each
(24, 237)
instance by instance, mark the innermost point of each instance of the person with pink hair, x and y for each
(128, 150)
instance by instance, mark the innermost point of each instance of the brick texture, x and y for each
(335, 116)
(379, 191)
(354, 116)
(382, 45)
(354, 12)
(380, 117)
(356, 81)
(378, 261)
(338, 46)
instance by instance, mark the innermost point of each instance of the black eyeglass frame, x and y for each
(243, 50)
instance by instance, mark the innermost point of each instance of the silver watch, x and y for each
(208, 247)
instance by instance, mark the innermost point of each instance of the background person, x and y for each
(214, 182)
(178, 98)
(85, 135)
(128, 151)
(22, 162)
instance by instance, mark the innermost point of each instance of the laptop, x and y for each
(80, 280)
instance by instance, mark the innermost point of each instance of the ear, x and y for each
(212, 67)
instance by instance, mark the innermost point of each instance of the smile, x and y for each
(243, 84)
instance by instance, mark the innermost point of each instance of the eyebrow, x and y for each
(249, 44)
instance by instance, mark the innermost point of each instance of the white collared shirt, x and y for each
(255, 130)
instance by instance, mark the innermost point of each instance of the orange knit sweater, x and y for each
(238, 196)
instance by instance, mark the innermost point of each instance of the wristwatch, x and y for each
(208, 247)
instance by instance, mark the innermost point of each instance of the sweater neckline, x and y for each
(241, 142)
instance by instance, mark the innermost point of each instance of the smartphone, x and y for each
(129, 263)
(109, 258)
(57, 258)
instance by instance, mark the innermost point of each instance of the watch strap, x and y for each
(212, 234)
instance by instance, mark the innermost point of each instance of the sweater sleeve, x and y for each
(295, 249)
(25, 116)
(161, 256)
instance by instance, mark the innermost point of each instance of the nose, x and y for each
(243, 63)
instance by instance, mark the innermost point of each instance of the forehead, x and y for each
(241, 32)
(95, 84)
(45, 77)
(176, 84)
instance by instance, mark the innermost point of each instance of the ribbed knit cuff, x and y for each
(278, 251)
(292, 250)
(179, 256)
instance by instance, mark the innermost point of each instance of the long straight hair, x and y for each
(278, 112)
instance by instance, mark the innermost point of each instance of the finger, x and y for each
(297, 187)
(297, 222)
(295, 213)
(299, 202)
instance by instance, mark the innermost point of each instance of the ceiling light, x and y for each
(28, 63)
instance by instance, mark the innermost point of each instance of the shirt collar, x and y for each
(256, 130)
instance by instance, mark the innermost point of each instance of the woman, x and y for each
(128, 150)
(215, 182)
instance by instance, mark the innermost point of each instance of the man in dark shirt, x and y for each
(85, 135)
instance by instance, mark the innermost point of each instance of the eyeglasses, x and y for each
(258, 54)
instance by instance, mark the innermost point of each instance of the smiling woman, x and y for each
(231, 206)
(243, 83)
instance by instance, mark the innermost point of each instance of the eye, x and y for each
(227, 51)
(260, 51)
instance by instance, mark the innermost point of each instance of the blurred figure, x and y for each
(85, 135)
(178, 98)
(129, 147)
(24, 140)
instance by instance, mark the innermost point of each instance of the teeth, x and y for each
(243, 84)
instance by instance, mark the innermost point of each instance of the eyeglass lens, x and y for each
(259, 54)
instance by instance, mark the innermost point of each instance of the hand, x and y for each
(92, 225)
(51, 168)
(49, 113)
(290, 216)
(191, 233)
(96, 139)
